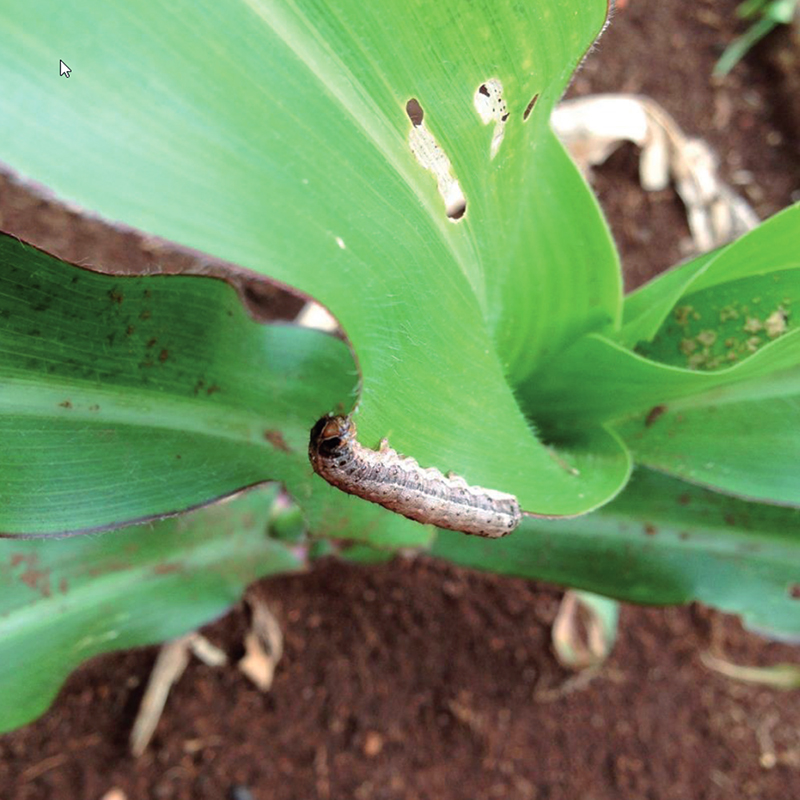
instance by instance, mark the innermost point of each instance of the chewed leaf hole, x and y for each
(527, 112)
(491, 107)
(431, 156)
(457, 210)
(415, 112)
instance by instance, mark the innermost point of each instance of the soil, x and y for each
(418, 680)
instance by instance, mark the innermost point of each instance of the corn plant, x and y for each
(394, 162)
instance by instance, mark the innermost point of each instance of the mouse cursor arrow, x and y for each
(65, 70)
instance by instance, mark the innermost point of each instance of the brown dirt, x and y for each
(418, 680)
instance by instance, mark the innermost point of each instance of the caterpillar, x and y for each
(401, 485)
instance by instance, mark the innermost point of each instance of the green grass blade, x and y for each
(740, 46)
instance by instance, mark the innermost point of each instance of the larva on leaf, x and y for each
(400, 484)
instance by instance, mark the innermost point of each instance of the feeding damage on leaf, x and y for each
(491, 107)
(529, 108)
(434, 159)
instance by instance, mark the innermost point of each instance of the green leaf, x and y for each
(741, 435)
(616, 383)
(661, 541)
(742, 439)
(63, 601)
(275, 135)
(728, 323)
(732, 426)
(647, 307)
(129, 397)
(768, 249)
(734, 429)
(711, 297)
(126, 397)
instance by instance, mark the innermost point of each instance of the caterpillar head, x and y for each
(329, 436)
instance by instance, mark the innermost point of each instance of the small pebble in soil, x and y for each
(373, 744)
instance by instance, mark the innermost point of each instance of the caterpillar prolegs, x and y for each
(400, 484)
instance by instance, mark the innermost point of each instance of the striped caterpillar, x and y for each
(400, 484)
